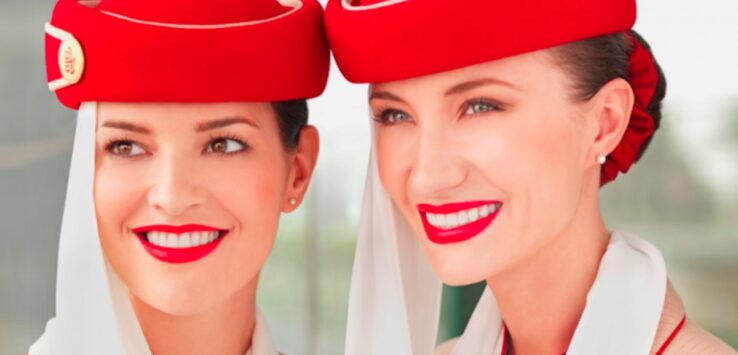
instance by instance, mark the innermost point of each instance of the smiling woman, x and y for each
(487, 161)
(178, 181)
(175, 183)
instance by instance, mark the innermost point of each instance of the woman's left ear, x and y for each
(302, 163)
(612, 106)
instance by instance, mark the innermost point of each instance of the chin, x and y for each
(178, 301)
(459, 270)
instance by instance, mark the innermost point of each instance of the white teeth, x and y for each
(195, 239)
(473, 214)
(172, 240)
(461, 218)
(184, 240)
(452, 220)
(440, 220)
(495, 207)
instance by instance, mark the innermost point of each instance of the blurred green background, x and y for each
(683, 195)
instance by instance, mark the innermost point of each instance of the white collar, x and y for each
(621, 314)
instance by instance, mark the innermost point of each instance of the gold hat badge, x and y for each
(71, 58)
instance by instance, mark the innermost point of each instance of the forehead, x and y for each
(155, 114)
(522, 71)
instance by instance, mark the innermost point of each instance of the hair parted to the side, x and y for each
(292, 115)
(595, 62)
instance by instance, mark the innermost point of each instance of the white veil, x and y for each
(394, 301)
(93, 313)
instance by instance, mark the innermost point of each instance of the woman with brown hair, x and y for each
(495, 125)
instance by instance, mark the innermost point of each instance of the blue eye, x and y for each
(477, 106)
(391, 116)
(225, 146)
(124, 148)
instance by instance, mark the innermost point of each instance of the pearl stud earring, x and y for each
(601, 159)
(292, 202)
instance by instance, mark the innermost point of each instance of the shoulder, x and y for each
(693, 340)
(446, 347)
(678, 336)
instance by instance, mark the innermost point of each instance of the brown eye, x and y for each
(225, 146)
(125, 148)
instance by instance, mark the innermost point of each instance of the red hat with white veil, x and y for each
(158, 51)
(395, 296)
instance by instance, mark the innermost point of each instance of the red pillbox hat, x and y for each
(385, 40)
(186, 50)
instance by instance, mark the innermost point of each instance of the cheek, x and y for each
(536, 160)
(395, 155)
(118, 192)
(252, 191)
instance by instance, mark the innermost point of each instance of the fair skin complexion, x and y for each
(215, 164)
(507, 130)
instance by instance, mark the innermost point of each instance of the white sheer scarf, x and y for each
(93, 312)
(395, 297)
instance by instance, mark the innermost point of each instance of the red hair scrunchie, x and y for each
(643, 78)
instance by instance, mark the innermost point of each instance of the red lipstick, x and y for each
(457, 222)
(183, 254)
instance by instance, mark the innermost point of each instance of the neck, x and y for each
(542, 299)
(226, 328)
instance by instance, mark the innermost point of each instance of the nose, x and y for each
(438, 168)
(175, 189)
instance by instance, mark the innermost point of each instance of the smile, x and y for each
(179, 244)
(457, 222)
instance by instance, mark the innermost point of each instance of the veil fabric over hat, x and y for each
(394, 300)
(93, 311)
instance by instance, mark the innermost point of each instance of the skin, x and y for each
(507, 130)
(153, 166)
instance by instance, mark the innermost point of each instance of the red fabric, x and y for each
(373, 42)
(126, 61)
(671, 336)
(643, 79)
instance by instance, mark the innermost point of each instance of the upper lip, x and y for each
(185, 228)
(453, 207)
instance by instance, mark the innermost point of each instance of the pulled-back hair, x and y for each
(595, 62)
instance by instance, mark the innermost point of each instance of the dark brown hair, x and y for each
(292, 115)
(595, 62)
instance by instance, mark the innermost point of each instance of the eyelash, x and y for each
(113, 142)
(235, 138)
(494, 105)
(384, 111)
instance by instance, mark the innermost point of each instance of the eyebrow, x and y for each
(126, 126)
(201, 127)
(385, 95)
(473, 84)
(223, 122)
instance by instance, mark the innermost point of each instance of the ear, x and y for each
(611, 108)
(302, 163)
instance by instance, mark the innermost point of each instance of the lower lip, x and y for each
(180, 255)
(458, 234)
